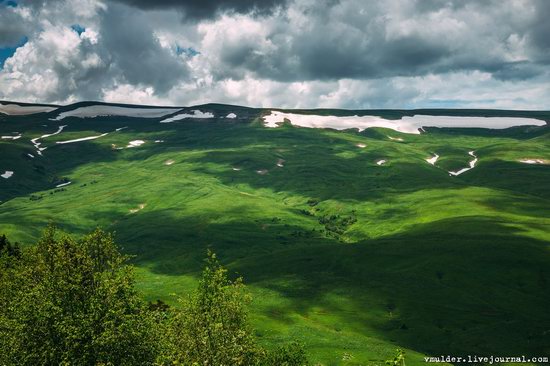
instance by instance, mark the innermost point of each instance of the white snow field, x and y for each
(411, 125)
(7, 174)
(63, 184)
(433, 159)
(381, 162)
(196, 114)
(231, 115)
(472, 165)
(82, 139)
(106, 110)
(22, 110)
(361, 146)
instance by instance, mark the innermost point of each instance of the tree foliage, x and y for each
(69, 302)
(73, 302)
(211, 326)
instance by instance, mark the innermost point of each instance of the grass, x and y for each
(433, 264)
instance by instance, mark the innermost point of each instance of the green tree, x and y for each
(211, 326)
(7, 248)
(69, 302)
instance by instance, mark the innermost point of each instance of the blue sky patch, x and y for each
(8, 3)
(7, 52)
(189, 51)
(78, 28)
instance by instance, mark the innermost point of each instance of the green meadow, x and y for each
(351, 258)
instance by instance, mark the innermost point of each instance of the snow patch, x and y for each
(121, 128)
(169, 162)
(433, 159)
(411, 125)
(81, 139)
(7, 174)
(196, 114)
(262, 171)
(60, 128)
(396, 139)
(362, 146)
(106, 110)
(37, 144)
(231, 115)
(135, 143)
(280, 163)
(533, 161)
(30, 156)
(381, 162)
(22, 110)
(140, 207)
(62, 185)
(472, 165)
(11, 137)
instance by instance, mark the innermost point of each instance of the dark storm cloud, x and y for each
(540, 31)
(306, 46)
(130, 46)
(366, 40)
(12, 29)
(208, 9)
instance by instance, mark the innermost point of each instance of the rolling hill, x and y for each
(434, 238)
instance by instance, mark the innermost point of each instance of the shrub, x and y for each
(73, 302)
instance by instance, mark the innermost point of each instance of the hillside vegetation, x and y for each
(351, 258)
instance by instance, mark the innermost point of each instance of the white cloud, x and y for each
(127, 93)
(349, 54)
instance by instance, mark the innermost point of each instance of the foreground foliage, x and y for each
(73, 302)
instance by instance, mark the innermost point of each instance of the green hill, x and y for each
(352, 258)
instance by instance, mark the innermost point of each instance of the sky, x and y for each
(355, 54)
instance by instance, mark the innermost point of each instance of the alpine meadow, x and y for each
(352, 244)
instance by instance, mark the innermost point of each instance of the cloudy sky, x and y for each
(281, 53)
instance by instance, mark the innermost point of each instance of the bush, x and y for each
(73, 302)
(211, 327)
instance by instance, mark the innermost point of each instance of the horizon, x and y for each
(5, 102)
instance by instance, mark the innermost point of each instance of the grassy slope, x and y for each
(435, 264)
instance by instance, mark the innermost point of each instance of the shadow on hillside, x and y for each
(464, 285)
(513, 176)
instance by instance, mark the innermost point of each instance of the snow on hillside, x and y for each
(411, 125)
(21, 110)
(81, 139)
(433, 159)
(7, 174)
(196, 114)
(472, 165)
(106, 110)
